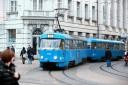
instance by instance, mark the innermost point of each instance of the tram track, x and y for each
(117, 72)
(69, 78)
(58, 80)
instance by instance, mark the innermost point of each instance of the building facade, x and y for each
(27, 19)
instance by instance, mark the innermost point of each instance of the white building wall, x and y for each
(24, 28)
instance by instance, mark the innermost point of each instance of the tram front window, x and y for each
(50, 43)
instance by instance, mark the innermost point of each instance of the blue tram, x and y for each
(96, 48)
(61, 50)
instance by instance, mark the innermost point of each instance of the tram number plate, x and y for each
(50, 36)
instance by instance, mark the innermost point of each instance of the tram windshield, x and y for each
(50, 43)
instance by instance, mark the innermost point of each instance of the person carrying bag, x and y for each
(23, 55)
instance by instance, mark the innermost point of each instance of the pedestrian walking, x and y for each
(13, 49)
(30, 55)
(23, 55)
(8, 48)
(0, 55)
(108, 56)
(8, 75)
(126, 58)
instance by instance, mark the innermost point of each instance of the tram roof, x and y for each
(61, 36)
(103, 40)
(56, 35)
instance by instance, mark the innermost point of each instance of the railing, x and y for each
(39, 13)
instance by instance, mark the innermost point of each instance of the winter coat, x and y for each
(23, 51)
(108, 54)
(13, 49)
(7, 75)
(30, 53)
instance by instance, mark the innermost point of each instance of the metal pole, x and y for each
(58, 21)
(97, 21)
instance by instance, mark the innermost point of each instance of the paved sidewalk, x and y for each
(24, 68)
(93, 73)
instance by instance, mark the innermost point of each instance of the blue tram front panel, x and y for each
(51, 55)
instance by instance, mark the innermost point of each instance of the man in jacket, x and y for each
(108, 56)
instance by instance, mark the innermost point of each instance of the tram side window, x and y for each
(70, 44)
(62, 44)
(111, 45)
(74, 44)
(85, 44)
(106, 45)
(82, 44)
(103, 45)
(93, 45)
(98, 45)
(116, 46)
(122, 47)
(79, 44)
(66, 44)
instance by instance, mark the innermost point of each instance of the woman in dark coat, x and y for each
(8, 76)
(22, 54)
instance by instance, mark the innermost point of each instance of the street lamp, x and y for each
(97, 21)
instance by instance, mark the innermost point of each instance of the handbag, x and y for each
(25, 55)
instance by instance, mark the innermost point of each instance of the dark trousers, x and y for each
(108, 62)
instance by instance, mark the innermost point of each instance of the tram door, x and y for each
(35, 44)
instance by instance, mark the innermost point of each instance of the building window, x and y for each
(13, 6)
(70, 32)
(60, 4)
(70, 6)
(94, 35)
(86, 11)
(34, 5)
(40, 5)
(87, 35)
(93, 12)
(78, 9)
(79, 33)
(12, 35)
(37, 31)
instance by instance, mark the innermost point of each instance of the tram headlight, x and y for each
(61, 58)
(41, 57)
(55, 57)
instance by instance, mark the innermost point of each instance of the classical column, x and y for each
(107, 7)
(65, 10)
(38, 8)
(125, 4)
(90, 12)
(120, 14)
(113, 13)
(83, 10)
(100, 12)
(75, 10)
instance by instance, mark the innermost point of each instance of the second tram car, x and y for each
(96, 48)
(61, 50)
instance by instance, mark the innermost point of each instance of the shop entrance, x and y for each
(35, 39)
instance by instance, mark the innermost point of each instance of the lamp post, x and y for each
(97, 21)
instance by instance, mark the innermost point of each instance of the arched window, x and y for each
(37, 31)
